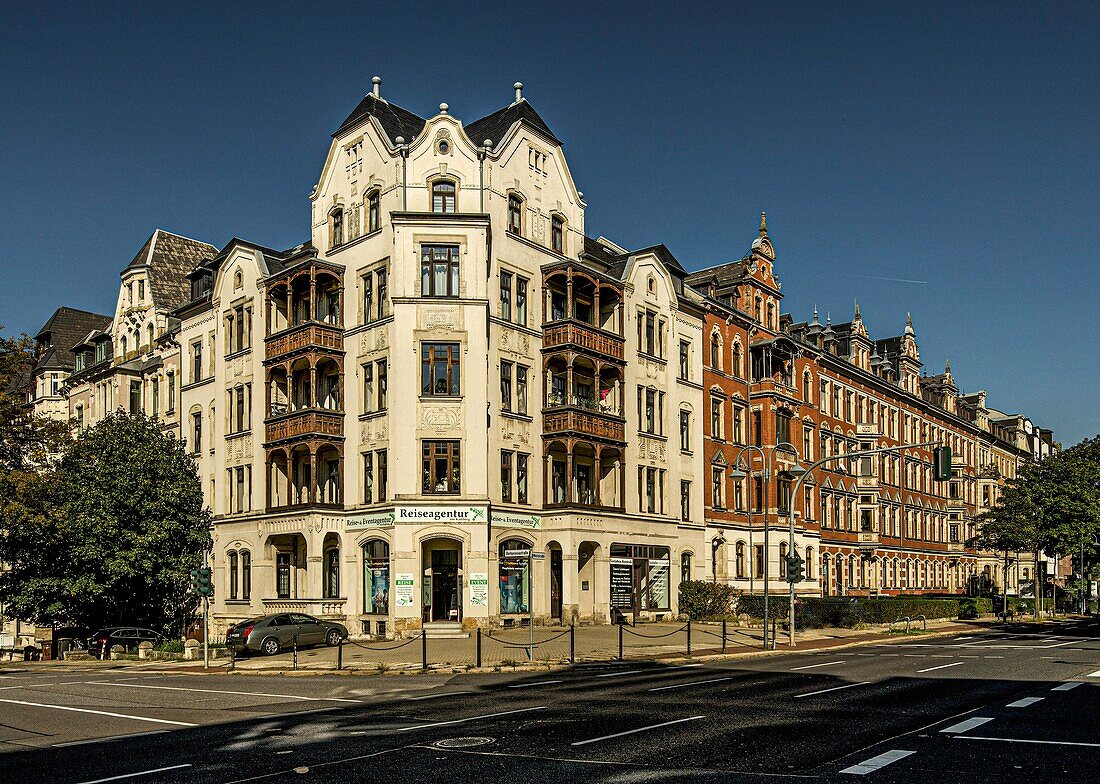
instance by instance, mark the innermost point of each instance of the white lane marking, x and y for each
(689, 683)
(219, 691)
(881, 761)
(109, 738)
(941, 666)
(139, 773)
(1067, 686)
(683, 666)
(968, 637)
(968, 724)
(529, 685)
(639, 729)
(442, 694)
(822, 664)
(1093, 674)
(1025, 702)
(834, 688)
(1059, 645)
(99, 713)
(1028, 740)
(617, 674)
(470, 718)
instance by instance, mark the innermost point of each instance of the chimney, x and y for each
(377, 89)
(519, 91)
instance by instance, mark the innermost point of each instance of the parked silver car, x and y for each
(272, 633)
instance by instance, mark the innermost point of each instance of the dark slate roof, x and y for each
(394, 120)
(169, 257)
(665, 255)
(66, 328)
(495, 125)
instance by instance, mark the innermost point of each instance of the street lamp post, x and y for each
(767, 461)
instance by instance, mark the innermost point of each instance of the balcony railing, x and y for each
(571, 420)
(586, 402)
(307, 422)
(304, 336)
(868, 537)
(576, 333)
(771, 385)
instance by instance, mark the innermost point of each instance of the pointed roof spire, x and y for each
(763, 224)
(858, 317)
(909, 324)
(947, 368)
(828, 318)
(815, 315)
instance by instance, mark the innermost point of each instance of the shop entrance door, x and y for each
(446, 605)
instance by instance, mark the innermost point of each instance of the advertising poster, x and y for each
(622, 583)
(403, 590)
(479, 589)
(379, 589)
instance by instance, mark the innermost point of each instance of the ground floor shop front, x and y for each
(396, 571)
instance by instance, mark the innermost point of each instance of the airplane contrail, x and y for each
(893, 280)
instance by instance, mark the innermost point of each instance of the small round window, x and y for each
(444, 147)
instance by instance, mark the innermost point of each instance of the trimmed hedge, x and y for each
(706, 601)
(842, 612)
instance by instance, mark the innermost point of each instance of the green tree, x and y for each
(116, 533)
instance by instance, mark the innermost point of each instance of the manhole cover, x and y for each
(462, 743)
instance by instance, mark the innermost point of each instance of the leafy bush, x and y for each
(701, 600)
(843, 612)
(170, 646)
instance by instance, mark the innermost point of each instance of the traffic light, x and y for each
(203, 585)
(195, 581)
(795, 568)
(941, 463)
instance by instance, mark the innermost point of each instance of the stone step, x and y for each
(445, 630)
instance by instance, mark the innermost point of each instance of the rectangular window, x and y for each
(521, 478)
(135, 397)
(196, 361)
(757, 429)
(650, 335)
(506, 477)
(685, 360)
(739, 495)
(506, 296)
(651, 490)
(367, 282)
(685, 500)
(685, 431)
(738, 435)
(382, 372)
(382, 284)
(505, 386)
(374, 211)
(240, 489)
(715, 418)
(521, 389)
(782, 427)
(368, 478)
(439, 271)
(196, 431)
(383, 474)
(716, 483)
(650, 411)
(368, 388)
(441, 468)
(758, 557)
(156, 397)
(440, 376)
(171, 391)
(521, 301)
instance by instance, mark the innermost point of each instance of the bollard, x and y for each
(723, 635)
(232, 659)
(423, 650)
(689, 638)
(620, 642)
(479, 646)
(572, 644)
(295, 652)
(340, 654)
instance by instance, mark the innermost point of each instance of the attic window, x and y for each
(557, 234)
(443, 196)
(444, 147)
(238, 280)
(336, 228)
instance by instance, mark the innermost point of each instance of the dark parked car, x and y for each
(272, 633)
(127, 636)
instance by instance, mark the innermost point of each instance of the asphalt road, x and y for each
(1016, 704)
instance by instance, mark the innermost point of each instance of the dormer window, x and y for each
(557, 234)
(374, 211)
(443, 196)
(141, 291)
(515, 214)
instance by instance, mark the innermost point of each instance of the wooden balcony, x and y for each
(585, 336)
(570, 420)
(305, 423)
(302, 337)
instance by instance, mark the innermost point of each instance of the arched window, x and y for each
(685, 567)
(809, 563)
(374, 211)
(557, 234)
(336, 227)
(807, 387)
(376, 577)
(715, 352)
(246, 575)
(122, 346)
(332, 572)
(735, 358)
(149, 335)
(443, 196)
(740, 560)
(515, 213)
(234, 577)
(238, 280)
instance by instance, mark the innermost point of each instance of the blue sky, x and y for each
(952, 144)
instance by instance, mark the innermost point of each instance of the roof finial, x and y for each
(858, 317)
(763, 224)
(377, 89)
(909, 324)
(947, 368)
(828, 318)
(815, 313)
(518, 87)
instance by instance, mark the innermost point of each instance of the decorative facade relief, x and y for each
(441, 419)
(238, 449)
(436, 318)
(374, 431)
(515, 430)
(651, 449)
(515, 342)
